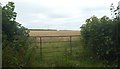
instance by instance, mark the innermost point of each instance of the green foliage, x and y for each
(14, 38)
(9, 26)
(102, 38)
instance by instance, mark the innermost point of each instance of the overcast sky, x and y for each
(59, 14)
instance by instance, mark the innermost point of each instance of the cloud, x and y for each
(59, 14)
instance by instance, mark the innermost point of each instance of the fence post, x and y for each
(41, 47)
(36, 42)
(70, 46)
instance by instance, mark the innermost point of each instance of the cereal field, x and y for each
(53, 33)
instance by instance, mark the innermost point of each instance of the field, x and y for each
(53, 33)
(59, 51)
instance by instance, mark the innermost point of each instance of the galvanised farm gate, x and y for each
(47, 42)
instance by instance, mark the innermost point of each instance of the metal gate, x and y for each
(52, 47)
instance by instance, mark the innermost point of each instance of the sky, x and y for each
(59, 14)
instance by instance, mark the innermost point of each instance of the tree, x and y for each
(14, 38)
(11, 28)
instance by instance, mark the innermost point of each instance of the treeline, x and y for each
(101, 37)
(42, 29)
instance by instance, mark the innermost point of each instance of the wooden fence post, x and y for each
(70, 46)
(36, 42)
(41, 47)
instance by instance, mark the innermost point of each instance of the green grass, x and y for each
(58, 55)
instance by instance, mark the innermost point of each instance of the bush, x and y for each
(14, 38)
(101, 37)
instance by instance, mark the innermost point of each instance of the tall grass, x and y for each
(16, 54)
(59, 55)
